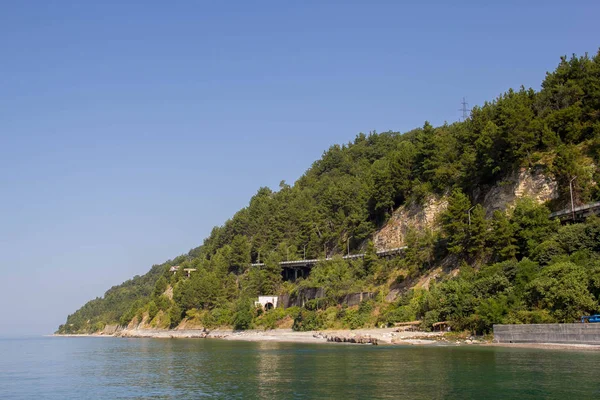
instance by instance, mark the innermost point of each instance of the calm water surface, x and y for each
(102, 368)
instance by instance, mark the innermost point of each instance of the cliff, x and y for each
(536, 183)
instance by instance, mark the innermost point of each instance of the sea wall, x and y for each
(548, 333)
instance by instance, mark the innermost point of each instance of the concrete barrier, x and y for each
(548, 333)
(354, 299)
(300, 297)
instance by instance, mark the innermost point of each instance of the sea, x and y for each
(118, 368)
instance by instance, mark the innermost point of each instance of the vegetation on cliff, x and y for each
(515, 266)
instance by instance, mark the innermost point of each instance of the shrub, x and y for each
(530, 317)
(152, 310)
(222, 316)
(430, 318)
(270, 318)
(353, 319)
(546, 251)
(307, 320)
(562, 289)
(243, 315)
(242, 319)
(98, 326)
(175, 315)
(366, 307)
(397, 314)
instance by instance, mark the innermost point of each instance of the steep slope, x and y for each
(433, 189)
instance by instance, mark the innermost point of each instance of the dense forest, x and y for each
(514, 266)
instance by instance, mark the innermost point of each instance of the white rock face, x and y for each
(527, 182)
(533, 183)
(415, 216)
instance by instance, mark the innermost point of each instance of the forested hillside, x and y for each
(515, 266)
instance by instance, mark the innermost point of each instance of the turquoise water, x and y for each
(102, 368)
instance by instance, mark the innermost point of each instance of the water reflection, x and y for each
(268, 369)
(187, 369)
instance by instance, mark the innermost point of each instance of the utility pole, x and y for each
(470, 216)
(305, 251)
(572, 203)
(349, 244)
(464, 109)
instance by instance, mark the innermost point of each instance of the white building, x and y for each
(266, 302)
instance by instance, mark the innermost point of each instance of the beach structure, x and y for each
(266, 302)
(410, 326)
(442, 326)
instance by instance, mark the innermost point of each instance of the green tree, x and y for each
(420, 248)
(203, 290)
(562, 288)
(532, 225)
(371, 259)
(455, 222)
(402, 164)
(271, 275)
(152, 310)
(240, 256)
(160, 287)
(478, 231)
(175, 315)
(242, 318)
(382, 188)
(503, 240)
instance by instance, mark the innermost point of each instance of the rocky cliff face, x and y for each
(412, 215)
(535, 183)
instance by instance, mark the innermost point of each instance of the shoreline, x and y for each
(377, 336)
(383, 336)
(380, 336)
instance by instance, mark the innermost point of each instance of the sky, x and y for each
(129, 129)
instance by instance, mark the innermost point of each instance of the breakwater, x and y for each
(548, 333)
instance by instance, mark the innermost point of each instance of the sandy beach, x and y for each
(381, 336)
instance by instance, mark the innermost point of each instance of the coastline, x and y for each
(383, 336)
(380, 336)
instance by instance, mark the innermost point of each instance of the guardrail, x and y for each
(312, 261)
(568, 212)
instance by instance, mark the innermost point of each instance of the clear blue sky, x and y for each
(129, 129)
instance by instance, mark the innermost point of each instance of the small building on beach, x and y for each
(266, 302)
(442, 326)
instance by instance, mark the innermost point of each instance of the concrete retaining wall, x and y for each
(354, 299)
(110, 329)
(304, 295)
(300, 297)
(548, 333)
